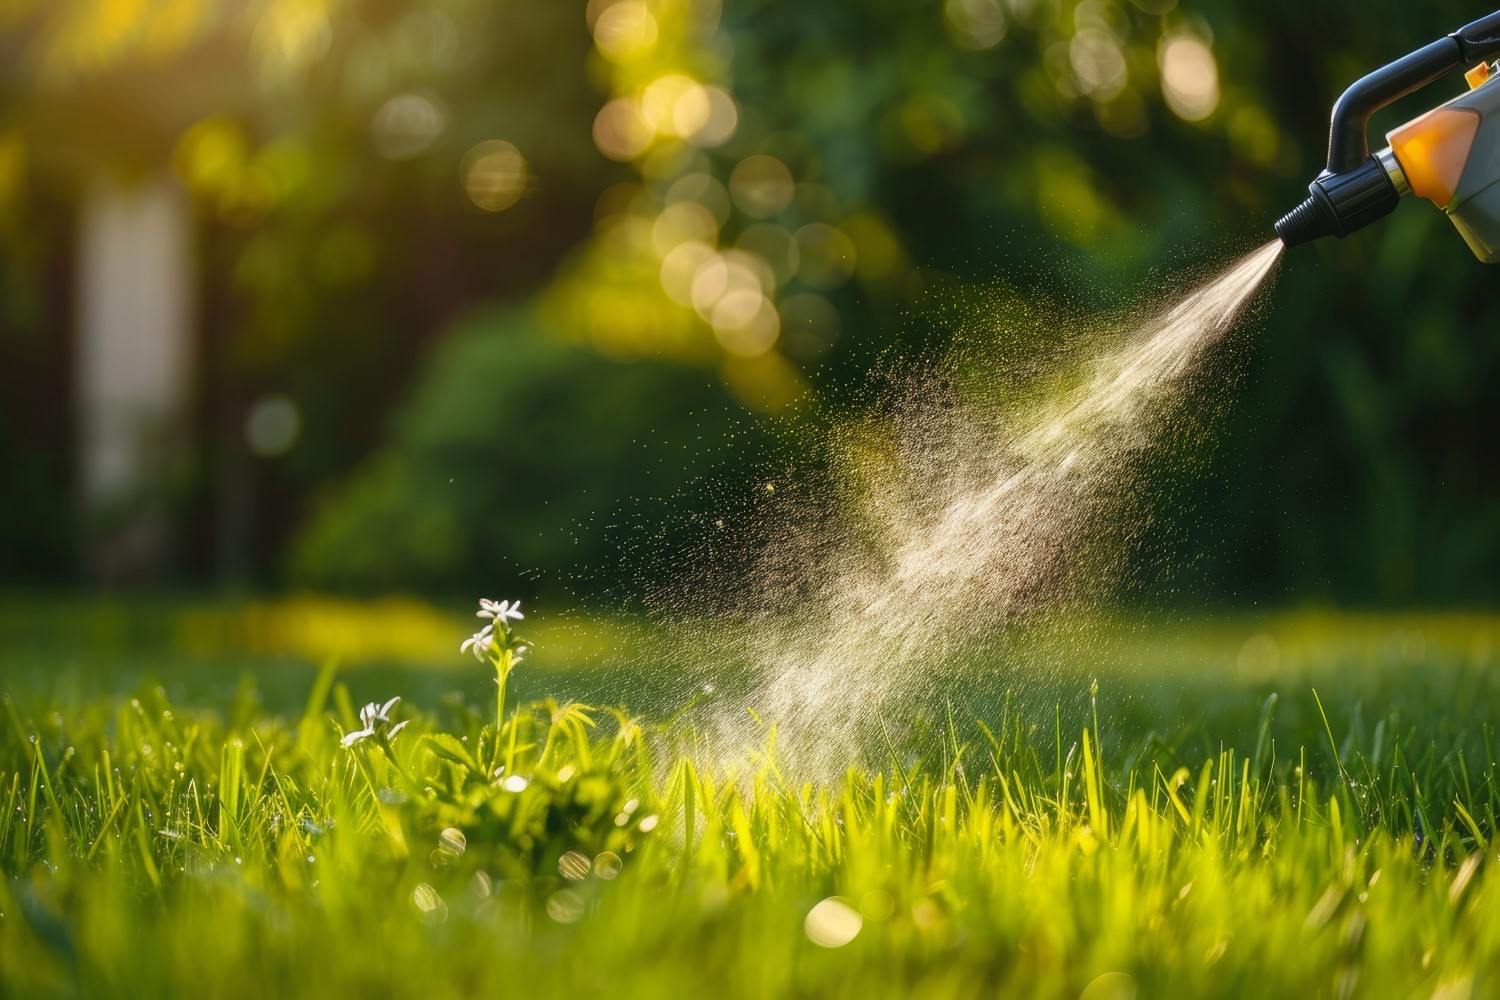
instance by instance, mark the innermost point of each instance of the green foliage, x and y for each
(516, 449)
(1309, 857)
(1027, 142)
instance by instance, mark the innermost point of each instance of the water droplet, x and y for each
(453, 841)
(574, 865)
(565, 906)
(607, 865)
(429, 904)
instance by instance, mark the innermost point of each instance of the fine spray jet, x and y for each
(1450, 155)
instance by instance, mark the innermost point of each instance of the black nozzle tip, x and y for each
(1340, 204)
(1307, 222)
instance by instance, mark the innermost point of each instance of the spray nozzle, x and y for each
(1358, 188)
(1341, 203)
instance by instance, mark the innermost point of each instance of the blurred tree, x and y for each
(521, 455)
(763, 189)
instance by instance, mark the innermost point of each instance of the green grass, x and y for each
(1207, 827)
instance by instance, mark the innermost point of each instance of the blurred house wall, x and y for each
(133, 370)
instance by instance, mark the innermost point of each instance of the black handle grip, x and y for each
(1480, 40)
(1348, 143)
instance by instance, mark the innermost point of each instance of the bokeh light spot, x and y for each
(620, 131)
(1098, 64)
(288, 38)
(407, 125)
(975, 24)
(1189, 76)
(704, 189)
(761, 185)
(430, 905)
(745, 323)
(832, 923)
(574, 866)
(720, 274)
(1259, 658)
(272, 426)
(677, 105)
(210, 154)
(679, 270)
(721, 121)
(565, 906)
(776, 246)
(625, 30)
(453, 841)
(495, 175)
(683, 222)
(607, 866)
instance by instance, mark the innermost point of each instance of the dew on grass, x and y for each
(514, 783)
(481, 885)
(453, 841)
(574, 865)
(429, 904)
(607, 865)
(648, 824)
(565, 906)
(832, 923)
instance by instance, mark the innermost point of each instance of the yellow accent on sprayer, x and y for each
(1433, 150)
(1479, 75)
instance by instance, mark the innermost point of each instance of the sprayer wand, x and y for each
(1359, 188)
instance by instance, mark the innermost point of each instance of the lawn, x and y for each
(1294, 805)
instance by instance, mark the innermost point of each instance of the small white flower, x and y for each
(373, 713)
(500, 611)
(352, 738)
(479, 642)
(375, 719)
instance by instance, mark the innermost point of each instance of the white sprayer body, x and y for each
(1451, 157)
